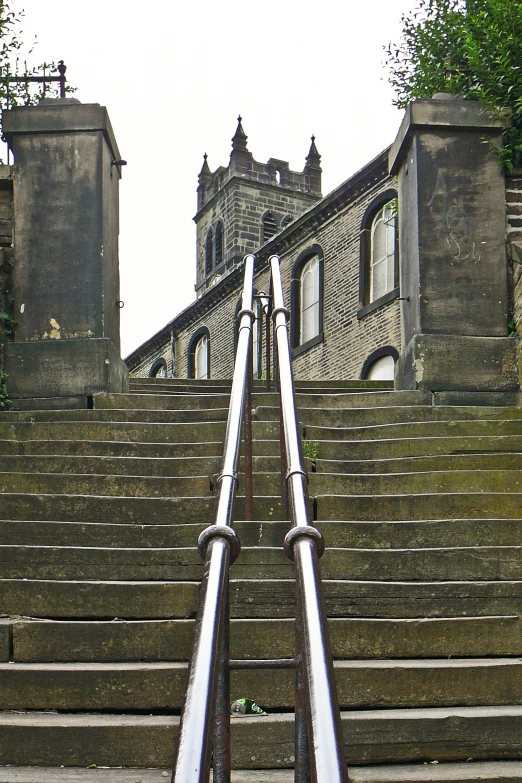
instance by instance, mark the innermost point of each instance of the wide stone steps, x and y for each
(379, 534)
(449, 481)
(485, 771)
(257, 598)
(398, 447)
(118, 449)
(116, 640)
(115, 509)
(160, 686)
(389, 565)
(416, 429)
(419, 503)
(264, 402)
(371, 736)
(383, 535)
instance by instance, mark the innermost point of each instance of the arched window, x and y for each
(269, 226)
(286, 221)
(307, 299)
(309, 304)
(382, 252)
(380, 365)
(379, 267)
(201, 358)
(209, 252)
(219, 244)
(199, 355)
(158, 369)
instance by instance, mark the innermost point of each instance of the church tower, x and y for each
(243, 205)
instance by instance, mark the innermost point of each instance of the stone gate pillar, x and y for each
(452, 250)
(65, 273)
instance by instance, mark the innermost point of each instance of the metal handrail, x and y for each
(304, 544)
(219, 545)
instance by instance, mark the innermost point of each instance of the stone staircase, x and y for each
(420, 506)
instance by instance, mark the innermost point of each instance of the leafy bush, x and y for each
(472, 49)
(5, 402)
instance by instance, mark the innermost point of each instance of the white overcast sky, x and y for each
(175, 75)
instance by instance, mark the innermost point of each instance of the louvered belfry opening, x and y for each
(219, 244)
(269, 226)
(209, 252)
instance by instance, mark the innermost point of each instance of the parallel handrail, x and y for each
(219, 545)
(304, 544)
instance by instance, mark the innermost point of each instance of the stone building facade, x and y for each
(352, 328)
(345, 248)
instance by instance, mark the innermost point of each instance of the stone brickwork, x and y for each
(240, 195)
(240, 206)
(334, 224)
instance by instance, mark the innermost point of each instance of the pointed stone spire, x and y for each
(205, 174)
(313, 159)
(241, 160)
(313, 168)
(205, 171)
(239, 139)
(204, 180)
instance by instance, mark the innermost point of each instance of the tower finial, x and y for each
(239, 139)
(204, 168)
(205, 174)
(313, 157)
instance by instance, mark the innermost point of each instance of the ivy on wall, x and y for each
(470, 48)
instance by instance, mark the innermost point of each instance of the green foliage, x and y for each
(14, 56)
(5, 402)
(310, 449)
(471, 48)
(8, 323)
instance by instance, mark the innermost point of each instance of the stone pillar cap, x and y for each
(443, 114)
(59, 115)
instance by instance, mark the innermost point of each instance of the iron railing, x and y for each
(319, 743)
(205, 724)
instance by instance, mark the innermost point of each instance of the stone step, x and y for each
(119, 486)
(129, 466)
(135, 414)
(423, 429)
(423, 534)
(480, 505)
(119, 449)
(155, 384)
(415, 483)
(268, 402)
(176, 432)
(106, 534)
(470, 772)
(342, 484)
(371, 736)
(340, 415)
(496, 461)
(397, 447)
(91, 508)
(184, 563)
(171, 640)
(399, 684)
(200, 385)
(257, 598)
